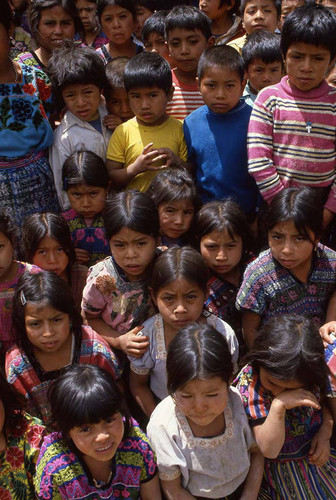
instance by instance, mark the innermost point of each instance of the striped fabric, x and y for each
(186, 99)
(291, 139)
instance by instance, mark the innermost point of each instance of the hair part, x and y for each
(222, 56)
(262, 45)
(198, 351)
(148, 69)
(84, 167)
(188, 18)
(125, 4)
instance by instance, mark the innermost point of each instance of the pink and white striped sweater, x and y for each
(292, 139)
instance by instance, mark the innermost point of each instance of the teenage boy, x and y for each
(78, 77)
(142, 146)
(226, 25)
(216, 134)
(292, 127)
(263, 63)
(188, 34)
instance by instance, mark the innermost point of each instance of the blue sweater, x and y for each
(217, 146)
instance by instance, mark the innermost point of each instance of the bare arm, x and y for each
(141, 392)
(250, 324)
(151, 489)
(254, 476)
(174, 490)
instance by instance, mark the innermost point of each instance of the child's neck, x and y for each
(127, 49)
(215, 428)
(157, 122)
(10, 274)
(221, 25)
(233, 276)
(186, 77)
(50, 362)
(100, 471)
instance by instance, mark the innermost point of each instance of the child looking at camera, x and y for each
(117, 102)
(151, 140)
(226, 25)
(153, 35)
(291, 138)
(78, 76)
(216, 134)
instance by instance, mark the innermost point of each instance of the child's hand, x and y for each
(169, 155)
(327, 332)
(145, 161)
(82, 256)
(132, 344)
(319, 449)
(112, 121)
(292, 398)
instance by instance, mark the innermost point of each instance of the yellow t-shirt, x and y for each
(238, 43)
(130, 138)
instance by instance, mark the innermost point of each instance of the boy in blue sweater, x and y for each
(216, 134)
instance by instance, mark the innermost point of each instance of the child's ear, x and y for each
(210, 42)
(170, 93)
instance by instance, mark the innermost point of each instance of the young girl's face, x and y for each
(290, 248)
(203, 401)
(276, 386)
(50, 256)
(99, 442)
(331, 78)
(133, 252)
(175, 217)
(118, 24)
(221, 253)
(47, 329)
(87, 200)
(7, 265)
(179, 303)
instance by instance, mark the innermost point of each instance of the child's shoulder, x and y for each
(163, 416)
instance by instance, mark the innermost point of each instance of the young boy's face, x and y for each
(260, 15)
(221, 89)
(186, 47)
(212, 9)
(287, 6)
(306, 65)
(331, 79)
(149, 104)
(117, 103)
(260, 74)
(82, 100)
(141, 15)
(157, 43)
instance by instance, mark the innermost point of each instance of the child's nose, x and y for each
(221, 255)
(259, 14)
(306, 64)
(58, 29)
(179, 308)
(52, 257)
(184, 48)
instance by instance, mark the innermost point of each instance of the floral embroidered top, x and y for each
(108, 295)
(24, 436)
(60, 474)
(91, 238)
(101, 39)
(24, 126)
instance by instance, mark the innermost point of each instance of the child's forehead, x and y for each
(154, 35)
(145, 90)
(116, 92)
(80, 87)
(184, 33)
(220, 73)
(257, 61)
(259, 3)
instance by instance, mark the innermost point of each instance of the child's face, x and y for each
(212, 9)
(221, 89)
(50, 256)
(331, 78)
(261, 75)
(287, 6)
(87, 13)
(175, 217)
(179, 303)
(86, 200)
(221, 253)
(47, 329)
(156, 43)
(290, 248)
(118, 24)
(99, 442)
(203, 401)
(82, 100)
(186, 47)
(118, 104)
(133, 252)
(55, 26)
(142, 14)
(276, 386)
(149, 104)
(260, 15)
(306, 65)
(6, 258)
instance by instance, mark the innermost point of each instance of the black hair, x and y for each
(151, 5)
(234, 9)
(125, 4)
(7, 18)
(197, 351)
(243, 3)
(13, 404)
(155, 23)
(222, 216)
(179, 262)
(42, 288)
(310, 23)
(290, 347)
(132, 209)
(73, 65)
(84, 167)
(262, 45)
(148, 69)
(222, 56)
(38, 6)
(7, 227)
(115, 71)
(302, 206)
(39, 225)
(86, 394)
(189, 18)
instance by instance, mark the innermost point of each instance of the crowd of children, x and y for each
(167, 249)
